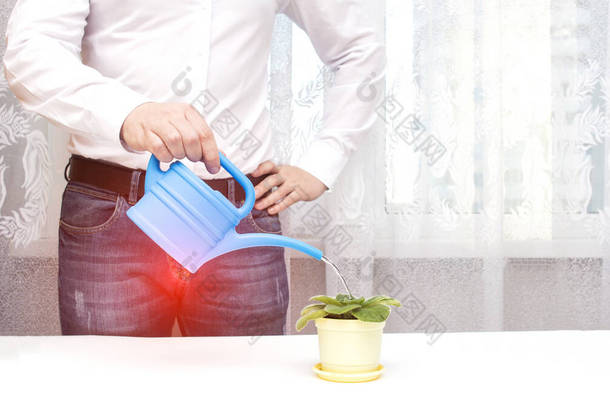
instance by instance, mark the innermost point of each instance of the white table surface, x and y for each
(499, 367)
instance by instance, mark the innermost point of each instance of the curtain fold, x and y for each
(492, 146)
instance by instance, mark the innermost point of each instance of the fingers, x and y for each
(293, 185)
(205, 138)
(158, 148)
(211, 158)
(174, 128)
(274, 197)
(290, 199)
(171, 138)
(267, 184)
(266, 167)
(190, 139)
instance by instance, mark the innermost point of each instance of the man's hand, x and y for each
(293, 184)
(171, 130)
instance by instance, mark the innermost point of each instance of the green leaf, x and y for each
(375, 299)
(342, 297)
(320, 313)
(345, 299)
(381, 299)
(340, 309)
(325, 299)
(311, 307)
(390, 301)
(372, 313)
(358, 301)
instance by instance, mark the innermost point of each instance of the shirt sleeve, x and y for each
(44, 70)
(345, 39)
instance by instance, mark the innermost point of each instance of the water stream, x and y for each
(326, 260)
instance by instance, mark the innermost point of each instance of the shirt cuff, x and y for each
(325, 160)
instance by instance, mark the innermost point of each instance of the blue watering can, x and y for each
(192, 222)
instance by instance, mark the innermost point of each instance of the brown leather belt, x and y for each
(130, 182)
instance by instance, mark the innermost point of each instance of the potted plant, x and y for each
(349, 334)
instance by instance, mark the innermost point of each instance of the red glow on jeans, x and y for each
(177, 270)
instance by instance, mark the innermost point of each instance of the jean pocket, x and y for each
(86, 210)
(264, 222)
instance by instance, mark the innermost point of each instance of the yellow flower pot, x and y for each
(349, 345)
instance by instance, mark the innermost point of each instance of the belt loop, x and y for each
(134, 186)
(231, 190)
(66, 169)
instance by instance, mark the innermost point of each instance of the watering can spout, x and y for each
(235, 241)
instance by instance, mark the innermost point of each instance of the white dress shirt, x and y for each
(85, 64)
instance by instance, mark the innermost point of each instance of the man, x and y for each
(179, 79)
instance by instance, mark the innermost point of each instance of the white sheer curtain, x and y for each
(491, 145)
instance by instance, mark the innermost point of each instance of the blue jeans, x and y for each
(114, 280)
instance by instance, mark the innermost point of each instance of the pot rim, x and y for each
(348, 324)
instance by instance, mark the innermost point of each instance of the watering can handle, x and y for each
(243, 181)
(154, 173)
